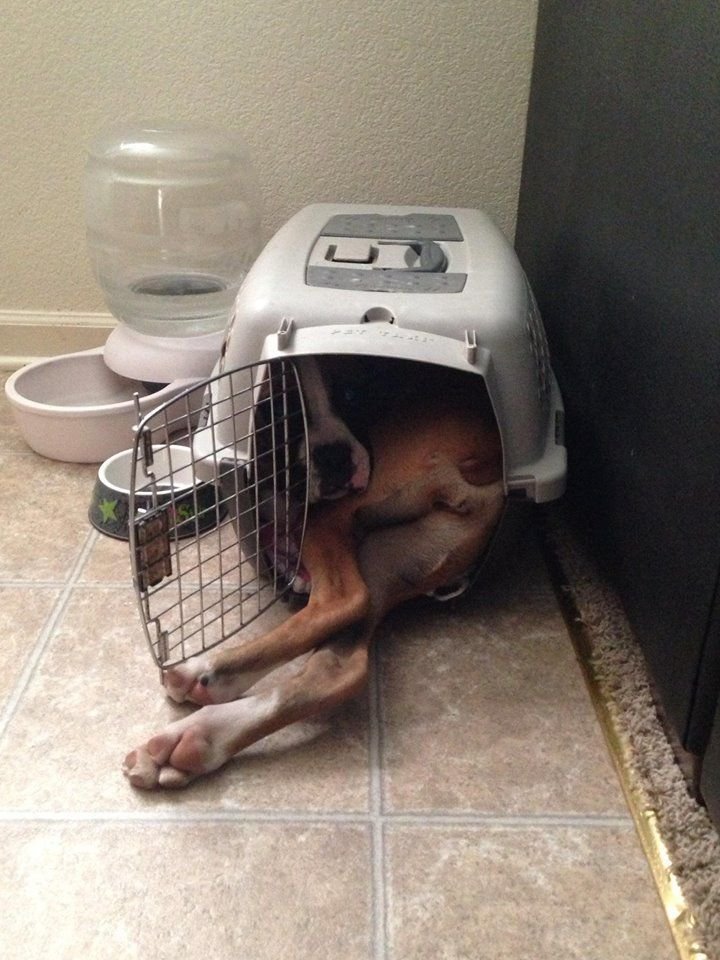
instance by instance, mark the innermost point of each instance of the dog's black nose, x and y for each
(333, 462)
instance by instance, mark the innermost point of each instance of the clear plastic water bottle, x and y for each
(173, 225)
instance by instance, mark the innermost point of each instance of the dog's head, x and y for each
(339, 463)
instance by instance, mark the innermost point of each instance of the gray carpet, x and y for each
(657, 781)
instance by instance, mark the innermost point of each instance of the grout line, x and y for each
(92, 539)
(46, 633)
(180, 816)
(519, 821)
(106, 584)
(6, 583)
(378, 871)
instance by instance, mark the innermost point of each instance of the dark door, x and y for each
(619, 231)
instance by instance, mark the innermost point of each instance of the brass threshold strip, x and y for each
(680, 917)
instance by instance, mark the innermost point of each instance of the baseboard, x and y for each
(27, 335)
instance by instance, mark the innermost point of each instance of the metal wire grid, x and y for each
(218, 501)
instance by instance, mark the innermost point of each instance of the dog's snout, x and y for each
(333, 456)
(333, 461)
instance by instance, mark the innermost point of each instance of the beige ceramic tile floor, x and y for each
(465, 808)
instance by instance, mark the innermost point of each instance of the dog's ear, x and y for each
(339, 463)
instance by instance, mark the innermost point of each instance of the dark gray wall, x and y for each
(619, 231)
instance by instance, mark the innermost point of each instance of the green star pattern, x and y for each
(107, 508)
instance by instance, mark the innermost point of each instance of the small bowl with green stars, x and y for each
(191, 504)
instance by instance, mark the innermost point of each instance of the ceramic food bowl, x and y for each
(74, 408)
(193, 504)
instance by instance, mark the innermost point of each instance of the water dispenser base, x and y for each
(161, 359)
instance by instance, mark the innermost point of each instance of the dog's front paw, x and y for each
(207, 680)
(183, 683)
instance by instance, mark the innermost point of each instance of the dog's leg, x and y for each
(208, 738)
(339, 598)
(442, 486)
(341, 594)
(400, 561)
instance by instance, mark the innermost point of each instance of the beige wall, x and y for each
(398, 101)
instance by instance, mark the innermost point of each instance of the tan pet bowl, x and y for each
(74, 408)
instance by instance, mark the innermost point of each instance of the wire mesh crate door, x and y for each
(218, 503)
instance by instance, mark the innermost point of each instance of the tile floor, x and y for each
(465, 808)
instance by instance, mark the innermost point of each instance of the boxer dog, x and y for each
(375, 537)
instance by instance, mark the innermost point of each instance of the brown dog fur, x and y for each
(434, 499)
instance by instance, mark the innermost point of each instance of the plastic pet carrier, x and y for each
(216, 541)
